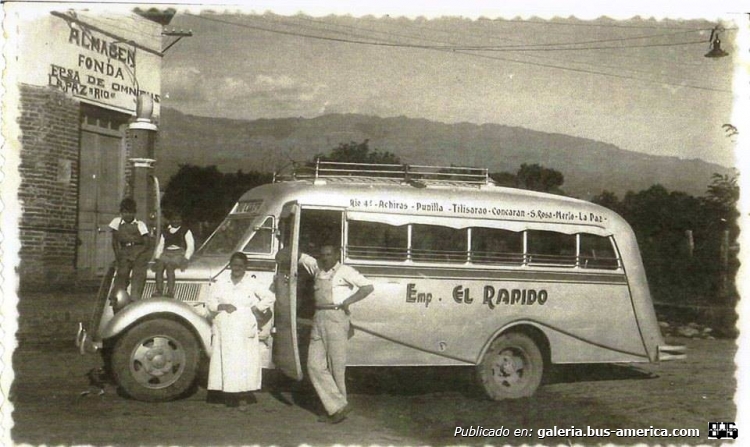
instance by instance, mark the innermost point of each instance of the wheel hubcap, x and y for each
(157, 362)
(508, 370)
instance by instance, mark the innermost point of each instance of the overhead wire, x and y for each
(567, 60)
(572, 59)
(646, 36)
(401, 34)
(607, 66)
(612, 75)
(422, 46)
(310, 36)
(465, 52)
(484, 36)
(618, 39)
(618, 54)
(281, 21)
(519, 49)
(606, 25)
(452, 33)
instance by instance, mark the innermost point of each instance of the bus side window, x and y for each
(433, 243)
(597, 252)
(319, 227)
(375, 240)
(496, 246)
(551, 248)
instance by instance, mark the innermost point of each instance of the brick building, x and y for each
(77, 76)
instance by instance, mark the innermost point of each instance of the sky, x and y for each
(641, 84)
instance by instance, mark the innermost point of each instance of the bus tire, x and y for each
(156, 360)
(511, 368)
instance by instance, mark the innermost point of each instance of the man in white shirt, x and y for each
(337, 287)
(174, 250)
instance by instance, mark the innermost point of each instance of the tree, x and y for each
(608, 199)
(195, 192)
(538, 178)
(661, 220)
(723, 194)
(354, 152)
(531, 176)
(505, 179)
(680, 239)
(720, 203)
(204, 195)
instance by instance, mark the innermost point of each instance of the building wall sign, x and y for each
(105, 67)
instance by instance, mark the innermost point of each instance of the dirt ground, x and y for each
(55, 405)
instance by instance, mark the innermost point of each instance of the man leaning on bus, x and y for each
(326, 362)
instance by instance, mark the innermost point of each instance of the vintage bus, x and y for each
(466, 273)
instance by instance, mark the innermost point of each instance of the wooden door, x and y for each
(101, 181)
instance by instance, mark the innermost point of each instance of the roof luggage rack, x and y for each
(415, 175)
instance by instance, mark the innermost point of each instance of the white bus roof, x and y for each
(473, 198)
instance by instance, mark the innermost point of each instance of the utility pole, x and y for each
(724, 265)
(690, 242)
(175, 33)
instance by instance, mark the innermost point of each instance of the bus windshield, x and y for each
(227, 236)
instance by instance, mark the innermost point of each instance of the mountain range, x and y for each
(589, 166)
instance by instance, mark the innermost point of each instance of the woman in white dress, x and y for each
(235, 365)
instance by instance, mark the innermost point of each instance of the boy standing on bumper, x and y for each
(130, 242)
(175, 248)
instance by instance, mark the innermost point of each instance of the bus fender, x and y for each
(516, 325)
(142, 309)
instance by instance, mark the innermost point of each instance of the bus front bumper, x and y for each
(84, 343)
(670, 352)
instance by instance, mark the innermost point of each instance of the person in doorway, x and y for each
(131, 243)
(337, 287)
(174, 250)
(234, 301)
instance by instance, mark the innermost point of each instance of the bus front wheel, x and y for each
(511, 368)
(156, 360)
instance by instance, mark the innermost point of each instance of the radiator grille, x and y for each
(184, 291)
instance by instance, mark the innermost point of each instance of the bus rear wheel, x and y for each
(511, 368)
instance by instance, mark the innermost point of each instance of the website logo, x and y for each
(721, 430)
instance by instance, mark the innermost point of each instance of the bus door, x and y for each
(285, 349)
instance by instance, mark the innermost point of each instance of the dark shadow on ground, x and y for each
(418, 380)
(414, 380)
(593, 373)
(291, 392)
(405, 381)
